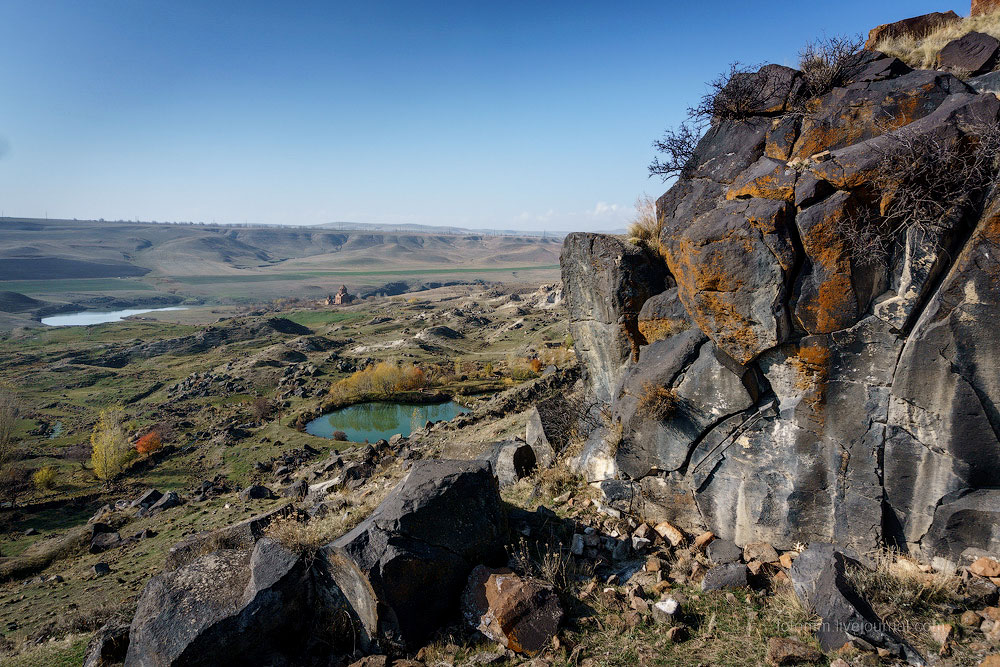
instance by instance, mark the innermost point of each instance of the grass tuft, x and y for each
(922, 52)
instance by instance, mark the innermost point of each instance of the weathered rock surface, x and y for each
(607, 281)
(232, 607)
(819, 576)
(520, 614)
(974, 53)
(403, 569)
(783, 389)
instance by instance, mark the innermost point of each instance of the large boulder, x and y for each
(820, 579)
(404, 568)
(234, 606)
(973, 53)
(520, 614)
(918, 26)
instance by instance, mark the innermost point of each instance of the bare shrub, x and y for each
(738, 93)
(826, 62)
(339, 436)
(925, 182)
(552, 563)
(657, 402)
(262, 408)
(677, 152)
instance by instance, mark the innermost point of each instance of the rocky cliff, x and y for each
(763, 377)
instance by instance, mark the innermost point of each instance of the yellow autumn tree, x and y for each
(110, 449)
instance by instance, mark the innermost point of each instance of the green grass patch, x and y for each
(67, 653)
(313, 318)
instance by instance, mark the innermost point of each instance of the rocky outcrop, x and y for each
(607, 281)
(785, 388)
(522, 615)
(918, 26)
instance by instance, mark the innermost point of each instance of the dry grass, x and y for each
(657, 402)
(552, 563)
(922, 52)
(898, 583)
(311, 535)
(646, 227)
(660, 328)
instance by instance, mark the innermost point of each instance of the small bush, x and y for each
(149, 443)
(44, 478)
(826, 62)
(110, 449)
(339, 436)
(552, 563)
(262, 408)
(657, 402)
(535, 365)
(646, 227)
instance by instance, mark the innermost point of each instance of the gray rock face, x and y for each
(786, 390)
(730, 575)
(229, 607)
(607, 282)
(442, 520)
(819, 577)
(513, 460)
(109, 646)
(721, 552)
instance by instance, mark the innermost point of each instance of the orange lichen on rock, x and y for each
(812, 366)
(827, 301)
(768, 179)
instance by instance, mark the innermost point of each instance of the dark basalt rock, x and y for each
(974, 53)
(444, 518)
(807, 392)
(819, 577)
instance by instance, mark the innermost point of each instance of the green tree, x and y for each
(110, 449)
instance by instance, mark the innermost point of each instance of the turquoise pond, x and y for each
(381, 421)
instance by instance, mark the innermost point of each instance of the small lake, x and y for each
(99, 317)
(381, 421)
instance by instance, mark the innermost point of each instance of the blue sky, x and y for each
(529, 115)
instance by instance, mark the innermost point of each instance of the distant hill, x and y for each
(434, 229)
(58, 249)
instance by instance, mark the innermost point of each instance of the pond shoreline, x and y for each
(370, 421)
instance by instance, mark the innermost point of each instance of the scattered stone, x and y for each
(985, 567)
(30, 532)
(721, 552)
(372, 661)
(654, 564)
(730, 575)
(941, 632)
(677, 633)
(788, 651)
(670, 533)
(702, 540)
(786, 559)
(167, 501)
(521, 614)
(256, 492)
(101, 569)
(666, 610)
(104, 541)
(147, 499)
(760, 551)
(970, 619)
